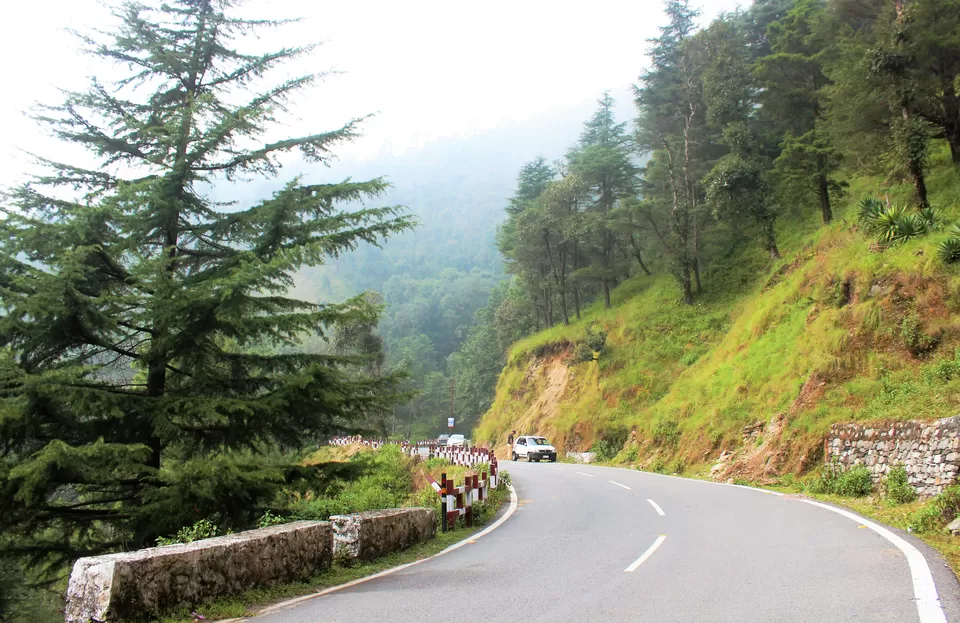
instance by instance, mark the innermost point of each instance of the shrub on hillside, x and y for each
(596, 339)
(895, 224)
(897, 488)
(203, 529)
(610, 443)
(855, 482)
(590, 347)
(582, 354)
(936, 513)
(666, 433)
(659, 466)
(949, 249)
(915, 338)
(678, 466)
(943, 371)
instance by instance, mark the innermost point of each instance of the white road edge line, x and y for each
(298, 600)
(585, 474)
(619, 485)
(646, 554)
(924, 589)
(656, 507)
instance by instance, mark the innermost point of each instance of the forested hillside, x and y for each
(785, 259)
(433, 280)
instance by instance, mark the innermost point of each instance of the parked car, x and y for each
(533, 448)
(442, 440)
(457, 441)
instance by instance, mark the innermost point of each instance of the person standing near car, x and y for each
(510, 441)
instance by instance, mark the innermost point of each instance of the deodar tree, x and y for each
(133, 397)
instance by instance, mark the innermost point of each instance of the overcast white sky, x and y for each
(427, 68)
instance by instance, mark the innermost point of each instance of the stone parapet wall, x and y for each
(149, 581)
(582, 457)
(929, 451)
(370, 535)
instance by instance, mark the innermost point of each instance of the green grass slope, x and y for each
(838, 330)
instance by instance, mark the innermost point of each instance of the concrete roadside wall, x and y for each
(929, 451)
(366, 536)
(120, 586)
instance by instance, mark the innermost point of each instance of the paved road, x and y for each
(724, 553)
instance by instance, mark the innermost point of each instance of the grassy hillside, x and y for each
(839, 329)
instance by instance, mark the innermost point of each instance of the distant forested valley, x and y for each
(433, 281)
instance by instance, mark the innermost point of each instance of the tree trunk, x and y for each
(685, 280)
(690, 191)
(823, 189)
(919, 183)
(576, 287)
(156, 384)
(637, 254)
(679, 223)
(606, 293)
(951, 109)
(560, 277)
(914, 165)
(771, 236)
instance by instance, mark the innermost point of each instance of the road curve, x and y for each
(600, 544)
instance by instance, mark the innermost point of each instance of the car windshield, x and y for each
(457, 437)
(540, 441)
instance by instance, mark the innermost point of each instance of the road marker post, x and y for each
(443, 503)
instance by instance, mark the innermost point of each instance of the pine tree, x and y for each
(603, 160)
(131, 401)
(669, 102)
(794, 85)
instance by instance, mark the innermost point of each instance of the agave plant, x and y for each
(949, 249)
(931, 217)
(871, 209)
(896, 224)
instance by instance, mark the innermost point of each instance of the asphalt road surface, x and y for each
(598, 544)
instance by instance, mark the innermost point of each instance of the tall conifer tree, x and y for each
(131, 302)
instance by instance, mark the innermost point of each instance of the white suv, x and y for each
(533, 449)
(457, 441)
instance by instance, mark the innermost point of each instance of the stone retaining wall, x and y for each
(930, 451)
(148, 581)
(370, 535)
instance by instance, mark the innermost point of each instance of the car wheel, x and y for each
(515, 457)
(536, 460)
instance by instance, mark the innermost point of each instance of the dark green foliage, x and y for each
(855, 482)
(610, 443)
(892, 224)
(667, 433)
(659, 466)
(385, 481)
(593, 343)
(897, 488)
(915, 338)
(595, 339)
(949, 248)
(678, 466)
(203, 529)
(583, 353)
(150, 367)
(938, 512)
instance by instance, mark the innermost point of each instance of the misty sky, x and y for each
(427, 68)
